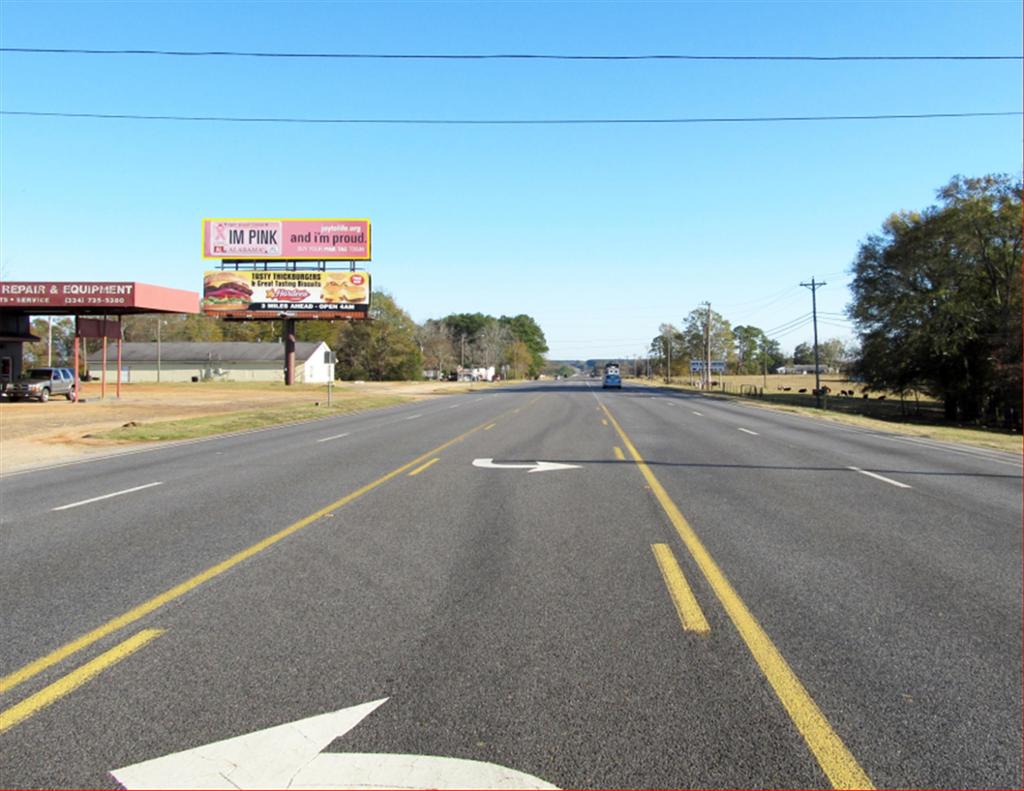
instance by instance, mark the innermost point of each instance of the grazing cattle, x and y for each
(802, 390)
(787, 388)
(865, 395)
(881, 398)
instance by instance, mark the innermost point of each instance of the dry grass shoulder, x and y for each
(33, 434)
(978, 437)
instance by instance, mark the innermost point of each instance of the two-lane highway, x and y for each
(699, 594)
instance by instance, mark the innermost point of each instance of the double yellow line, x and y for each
(835, 759)
(32, 704)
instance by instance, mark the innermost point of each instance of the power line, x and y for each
(776, 335)
(504, 121)
(760, 302)
(495, 56)
(786, 324)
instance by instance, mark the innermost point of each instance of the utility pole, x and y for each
(668, 351)
(707, 349)
(813, 286)
(158, 323)
(49, 340)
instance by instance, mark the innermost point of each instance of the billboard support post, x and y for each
(120, 337)
(289, 351)
(330, 359)
(76, 385)
(103, 378)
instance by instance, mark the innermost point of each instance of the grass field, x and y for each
(915, 414)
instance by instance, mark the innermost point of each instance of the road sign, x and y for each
(717, 366)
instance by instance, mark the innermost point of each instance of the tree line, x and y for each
(390, 346)
(745, 349)
(937, 301)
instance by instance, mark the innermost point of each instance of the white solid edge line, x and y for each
(106, 496)
(413, 417)
(880, 477)
(747, 431)
(336, 436)
(698, 414)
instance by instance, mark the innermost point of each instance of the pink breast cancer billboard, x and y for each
(288, 240)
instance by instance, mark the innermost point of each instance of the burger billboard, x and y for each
(287, 240)
(298, 294)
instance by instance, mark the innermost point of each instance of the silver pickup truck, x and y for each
(42, 383)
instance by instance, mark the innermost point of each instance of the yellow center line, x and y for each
(39, 665)
(422, 467)
(832, 755)
(604, 422)
(74, 679)
(690, 613)
(488, 428)
(618, 453)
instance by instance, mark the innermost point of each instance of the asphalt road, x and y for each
(855, 614)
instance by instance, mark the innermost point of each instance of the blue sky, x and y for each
(599, 232)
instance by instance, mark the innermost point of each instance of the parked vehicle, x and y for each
(42, 383)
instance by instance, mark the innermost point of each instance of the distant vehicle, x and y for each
(41, 383)
(612, 378)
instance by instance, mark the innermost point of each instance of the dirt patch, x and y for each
(34, 434)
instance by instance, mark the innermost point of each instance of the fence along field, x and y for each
(786, 389)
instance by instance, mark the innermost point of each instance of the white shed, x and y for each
(227, 361)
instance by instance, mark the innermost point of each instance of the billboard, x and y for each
(299, 294)
(287, 240)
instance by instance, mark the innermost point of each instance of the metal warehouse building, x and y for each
(224, 361)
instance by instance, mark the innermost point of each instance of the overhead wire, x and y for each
(784, 325)
(495, 56)
(504, 121)
(790, 331)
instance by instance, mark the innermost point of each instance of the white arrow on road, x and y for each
(536, 466)
(288, 756)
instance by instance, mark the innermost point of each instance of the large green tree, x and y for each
(722, 340)
(383, 348)
(526, 330)
(937, 300)
(667, 346)
(38, 352)
(803, 354)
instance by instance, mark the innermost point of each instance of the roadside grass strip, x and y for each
(831, 753)
(191, 428)
(690, 614)
(73, 680)
(131, 616)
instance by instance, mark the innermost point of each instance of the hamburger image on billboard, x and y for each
(226, 291)
(350, 287)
